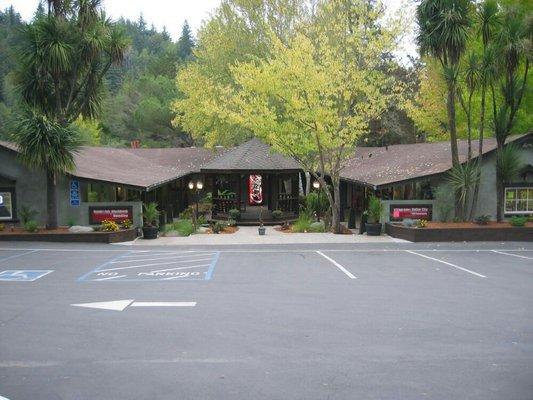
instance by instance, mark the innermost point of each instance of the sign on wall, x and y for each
(97, 214)
(74, 192)
(255, 190)
(415, 211)
(6, 206)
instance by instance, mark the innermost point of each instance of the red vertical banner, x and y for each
(255, 190)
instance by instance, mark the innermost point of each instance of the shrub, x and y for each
(92, 197)
(234, 214)
(302, 224)
(184, 227)
(31, 226)
(2, 227)
(317, 227)
(231, 222)
(457, 219)
(218, 227)
(444, 202)
(375, 209)
(317, 203)
(482, 219)
(109, 226)
(150, 214)
(126, 224)
(202, 220)
(277, 214)
(518, 221)
(27, 214)
(408, 222)
(187, 213)
(421, 223)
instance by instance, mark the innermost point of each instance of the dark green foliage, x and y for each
(375, 209)
(518, 221)
(303, 223)
(150, 214)
(31, 226)
(508, 162)
(185, 43)
(234, 214)
(317, 203)
(482, 219)
(277, 214)
(26, 214)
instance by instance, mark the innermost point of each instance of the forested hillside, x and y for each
(137, 94)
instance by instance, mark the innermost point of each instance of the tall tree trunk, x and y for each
(335, 209)
(453, 139)
(51, 201)
(499, 188)
(480, 150)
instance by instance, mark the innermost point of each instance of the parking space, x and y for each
(330, 321)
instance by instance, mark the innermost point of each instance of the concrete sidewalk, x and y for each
(249, 235)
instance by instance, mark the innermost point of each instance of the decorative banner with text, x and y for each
(412, 211)
(255, 190)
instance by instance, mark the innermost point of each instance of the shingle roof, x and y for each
(143, 168)
(378, 166)
(252, 155)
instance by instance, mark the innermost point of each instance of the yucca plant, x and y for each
(463, 178)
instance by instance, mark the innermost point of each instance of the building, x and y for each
(114, 183)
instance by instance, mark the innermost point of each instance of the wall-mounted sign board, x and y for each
(97, 214)
(400, 212)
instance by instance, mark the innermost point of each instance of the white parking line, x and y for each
(513, 255)
(447, 263)
(110, 277)
(348, 273)
(178, 268)
(170, 257)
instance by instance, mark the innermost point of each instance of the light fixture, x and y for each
(191, 185)
(199, 185)
(316, 184)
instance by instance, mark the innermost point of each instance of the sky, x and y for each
(172, 13)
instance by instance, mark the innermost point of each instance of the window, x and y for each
(519, 200)
(6, 205)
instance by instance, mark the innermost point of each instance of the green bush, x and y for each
(482, 219)
(27, 214)
(202, 220)
(317, 203)
(31, 226)
(317, 227)
(444, 202)
(302, 224)
(518, 221)
(184, 227)
(231, 222)
(375, 209)
(92, 197)
(234, 214)
(150, 214)
(2, 227)
(277, 214)
(218, 227)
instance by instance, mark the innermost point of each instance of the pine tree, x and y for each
(185, 43)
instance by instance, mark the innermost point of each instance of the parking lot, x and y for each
(374, 321)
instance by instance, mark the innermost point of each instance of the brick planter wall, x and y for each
(511, 234)
(88, 237)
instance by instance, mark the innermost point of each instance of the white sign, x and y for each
(1, 202)
(120, 305)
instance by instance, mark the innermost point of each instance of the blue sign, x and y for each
(74, 192)
(13, 275)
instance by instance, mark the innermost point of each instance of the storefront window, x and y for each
(518, 200)
(6, 206)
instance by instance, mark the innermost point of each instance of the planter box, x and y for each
(86, 237)
(474, 234)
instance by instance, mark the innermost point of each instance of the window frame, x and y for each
(528, 199)
(13, 193)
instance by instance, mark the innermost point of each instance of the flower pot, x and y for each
(261, 230)
(373, 229)
(150, 232)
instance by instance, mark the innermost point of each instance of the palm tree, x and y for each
(514, 45)
(444, 26)
(45, 144)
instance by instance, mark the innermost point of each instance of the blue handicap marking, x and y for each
(13, 275)
(137, 266)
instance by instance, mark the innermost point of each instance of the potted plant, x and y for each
(150, 215)
(261, 230)
(374, 211)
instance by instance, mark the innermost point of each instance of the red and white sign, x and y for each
(411, 211)
(114, 213)
(255, 190)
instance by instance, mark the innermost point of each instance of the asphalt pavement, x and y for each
(308, 321)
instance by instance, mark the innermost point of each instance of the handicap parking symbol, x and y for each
(13, 275)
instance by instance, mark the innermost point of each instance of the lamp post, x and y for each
(316, 186)
(197, 187)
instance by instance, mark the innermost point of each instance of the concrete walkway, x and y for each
(249, 235)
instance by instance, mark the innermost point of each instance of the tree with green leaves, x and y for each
(444, 27)
(62, 60)
(185, 43)
(48, 145)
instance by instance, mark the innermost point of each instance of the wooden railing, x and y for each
(288, 203)
(222, 204)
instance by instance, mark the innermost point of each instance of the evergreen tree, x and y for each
(185, 43)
